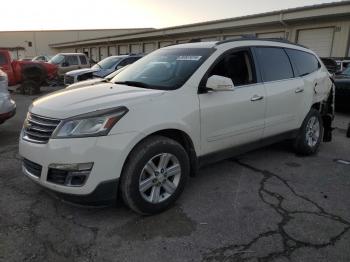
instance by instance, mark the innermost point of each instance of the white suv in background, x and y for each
(143, 133)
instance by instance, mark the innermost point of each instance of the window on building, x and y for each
(238, 66)
(304, 62)
(274, 63)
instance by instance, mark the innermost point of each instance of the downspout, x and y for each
(283, 23)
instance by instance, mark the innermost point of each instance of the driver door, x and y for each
(232, 118)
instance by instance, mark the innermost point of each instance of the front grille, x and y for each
(57, 176)
(68, 80)
(38, 129)
(33, 168)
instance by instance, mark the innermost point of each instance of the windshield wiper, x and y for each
(133, 83)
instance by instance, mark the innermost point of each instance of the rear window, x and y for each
(274, 63)
(2, 59)
(83, 60)
(304, 63)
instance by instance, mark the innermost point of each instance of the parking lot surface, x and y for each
(266, 205)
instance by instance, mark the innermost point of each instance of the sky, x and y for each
(105, 14)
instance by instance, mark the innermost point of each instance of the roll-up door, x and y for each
(93, 53)
(103, 52)
(123, 49)
(136, 49)
(149, 47)
(272, 35)
(319, 40)
(112, 50)
(165, 43)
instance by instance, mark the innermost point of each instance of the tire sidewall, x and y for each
(135, 165)
(301, 143)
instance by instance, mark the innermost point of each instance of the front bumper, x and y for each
(107, 153)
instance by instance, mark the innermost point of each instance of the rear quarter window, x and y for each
(304, 63)
(274, 64)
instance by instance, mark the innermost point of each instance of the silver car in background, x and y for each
(7, 105)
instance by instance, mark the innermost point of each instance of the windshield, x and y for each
(107, 63)
(57, 59)
(164, 69)
(346, 71)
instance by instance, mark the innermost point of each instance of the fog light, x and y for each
(73, 175)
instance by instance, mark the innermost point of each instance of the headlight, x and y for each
(97, 123)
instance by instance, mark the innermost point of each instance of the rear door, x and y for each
(284, 92)
(84, 63)
(316, 79)
(232, 118)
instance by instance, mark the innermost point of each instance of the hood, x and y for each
(82, 71)
(89, 82)
(72, 102)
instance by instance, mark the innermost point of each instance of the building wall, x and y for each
(339, 48)
(42, 39)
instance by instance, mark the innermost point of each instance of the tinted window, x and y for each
(237, 66)
(83, 60)
(72, 60)
(305, 63)
(2, 59)
(274, 63)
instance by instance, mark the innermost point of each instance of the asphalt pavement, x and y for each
(266, 205)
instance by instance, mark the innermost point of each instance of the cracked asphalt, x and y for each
(266, 205)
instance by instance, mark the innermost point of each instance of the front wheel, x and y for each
(310, 134)
(155, 175)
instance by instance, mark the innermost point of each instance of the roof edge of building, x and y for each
(163, 31)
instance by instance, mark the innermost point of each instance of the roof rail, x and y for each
(254, 38)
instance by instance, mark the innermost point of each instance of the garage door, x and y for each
(165, 43)
(272, 35)
(93, 53)
(112, 50)
(149, 47)
(319, 40)
(209, 39)
(136, 49)
(103, 52)
(123, 49)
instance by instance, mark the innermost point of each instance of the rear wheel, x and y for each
(155, 175)
(310, 134)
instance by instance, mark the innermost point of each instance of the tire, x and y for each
(310, 134)
(147, 185)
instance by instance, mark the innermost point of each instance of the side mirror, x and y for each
(118, 67)
(220, 83)
(65, 64)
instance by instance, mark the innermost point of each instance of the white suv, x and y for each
(143, 133)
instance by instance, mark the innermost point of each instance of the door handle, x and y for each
(256, 98)
(299, 90)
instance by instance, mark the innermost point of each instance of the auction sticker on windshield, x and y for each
(189, 58)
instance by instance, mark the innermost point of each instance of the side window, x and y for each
(274, 63)
(72, 60)
(2, 59)
(305, 63)
(238, 66)
(83, 60)
(126, 61)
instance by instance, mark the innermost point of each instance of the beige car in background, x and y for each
(70, 61)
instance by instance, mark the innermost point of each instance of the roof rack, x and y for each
(254, 38)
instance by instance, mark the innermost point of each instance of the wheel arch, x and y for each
(179, 136)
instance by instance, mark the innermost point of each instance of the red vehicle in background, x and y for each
(31, 75)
